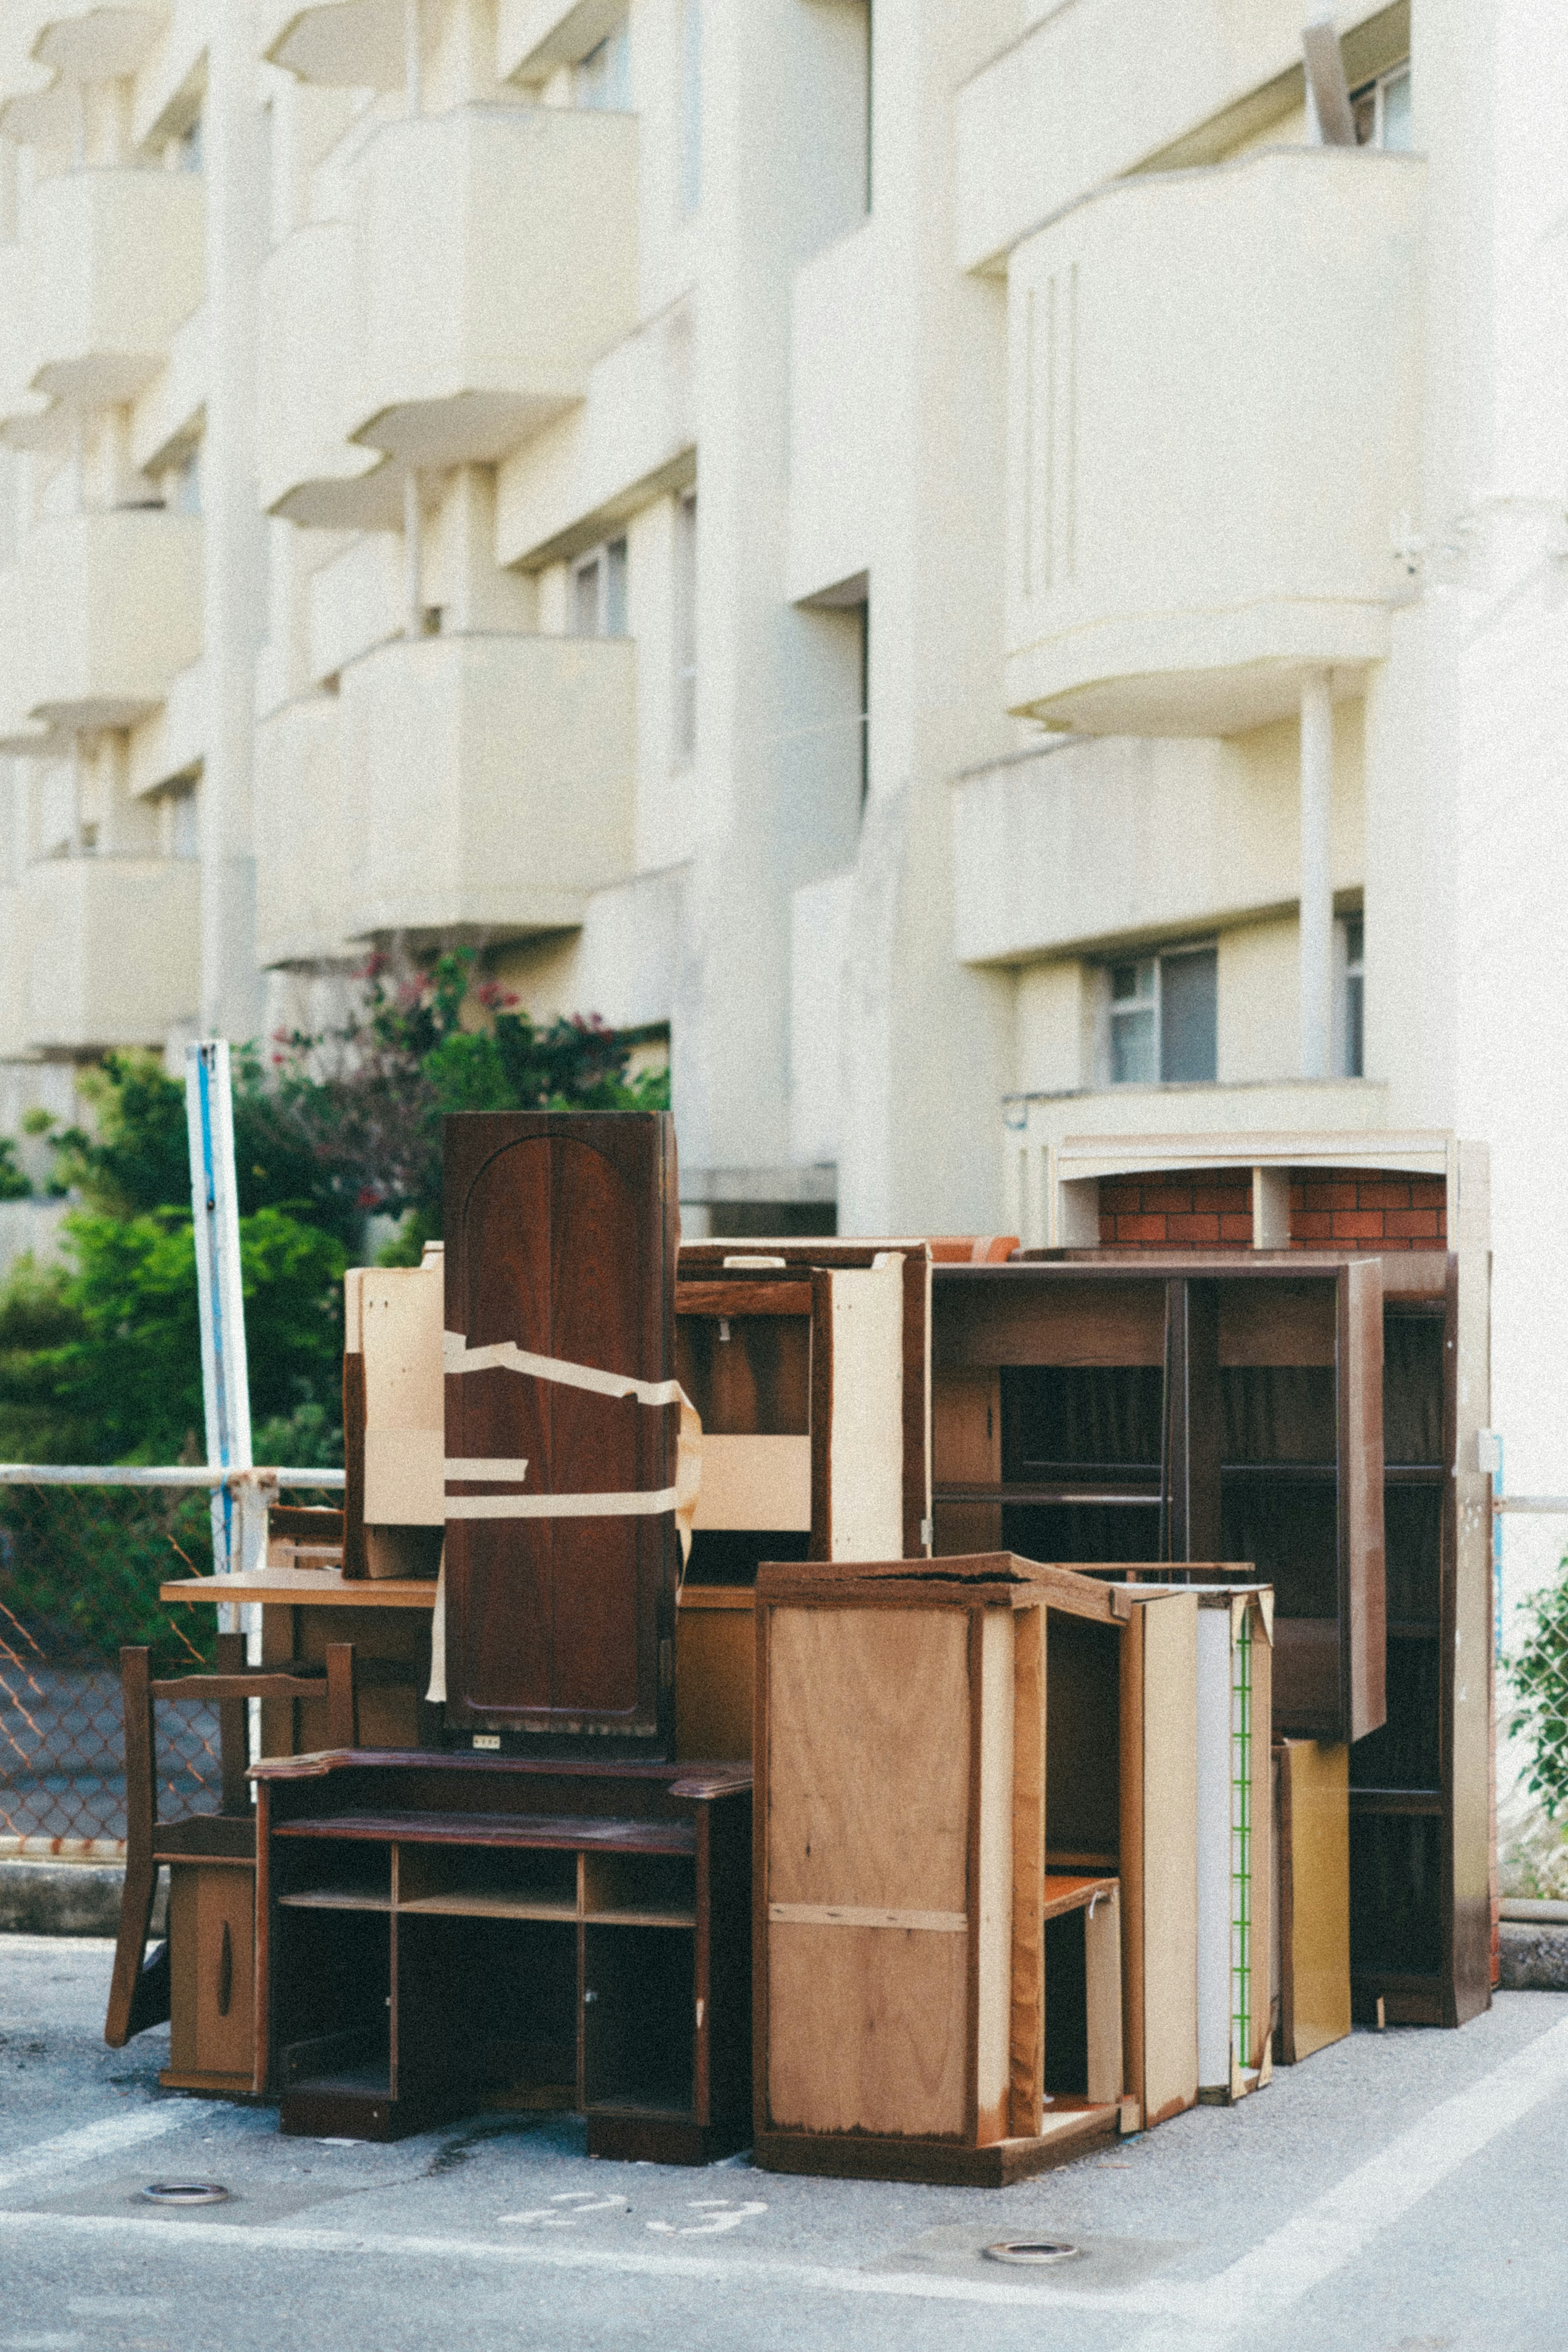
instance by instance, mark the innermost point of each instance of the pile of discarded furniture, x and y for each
(907, 1708)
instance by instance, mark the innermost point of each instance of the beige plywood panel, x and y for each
(867, 2030)
(755, 1482)
(1314, 1861)
(1027, 2053)
(1102, 1987)
(1170, 1824)
(865, 1466)
(994, 1972)
(868, 1758)
(400, 1317)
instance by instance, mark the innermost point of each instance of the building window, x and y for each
(1382, 110)
(684, 742)
(1353, 1060)
(599, 592)
(1164, 1018)
(691, 108)
(603, 79)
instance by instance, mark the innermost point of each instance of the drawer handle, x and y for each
(225, 1972)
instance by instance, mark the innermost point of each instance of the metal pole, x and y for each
(226, 1386)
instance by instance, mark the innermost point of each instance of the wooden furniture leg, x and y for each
(139, 1996)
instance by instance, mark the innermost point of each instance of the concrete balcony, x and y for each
(1214, 406)
(109, 612)
(12, 974)
(113, 951)
(1080, 846)
(310, 346)
(48, 45)
(113, 261)
(488, 783)
(500, 258)
(337, 44)
(838, 411)
(302, 851)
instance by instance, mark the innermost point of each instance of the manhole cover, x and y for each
(184, 2192)
(1033, 2251)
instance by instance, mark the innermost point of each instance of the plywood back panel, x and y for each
(1001, 1316)
(1027, 2046)
(1314, 1880)
(399, 1319)
(858, 1422)
(868, 1765)
(1270, 1321)
(868, 2031)
(1169, 1807)
(994, 1805)
(755, 1482)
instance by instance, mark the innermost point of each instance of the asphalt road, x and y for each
(1401, 2192)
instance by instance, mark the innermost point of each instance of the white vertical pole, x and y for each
(1316, 901)
(214, 1205)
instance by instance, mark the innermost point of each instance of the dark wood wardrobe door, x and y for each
(561, 1237)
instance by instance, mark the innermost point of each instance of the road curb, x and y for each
(64, 1898)
(1533, 1955)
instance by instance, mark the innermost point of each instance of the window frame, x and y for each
(609, 561)
(1151, 960)
(1377, 92)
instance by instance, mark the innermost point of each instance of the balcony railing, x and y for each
(112, 950)
(108, 611)
(1214, 428)
(112, 263)
(310, 347)
(500, 258)
(488, 782)
(301, 850)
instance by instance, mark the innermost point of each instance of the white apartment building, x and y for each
(995, 568)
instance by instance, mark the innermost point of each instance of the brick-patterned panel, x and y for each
(1331, 1208)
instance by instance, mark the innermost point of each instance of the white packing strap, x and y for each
(506, 1356)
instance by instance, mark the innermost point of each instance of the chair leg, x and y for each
(343, 1697)
(234, 1728)
(140, 1871)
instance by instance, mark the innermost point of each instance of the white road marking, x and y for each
(68, 2150)
(1193, 2316)
(226, 2236)
(1338, 2225)
(721, 2216)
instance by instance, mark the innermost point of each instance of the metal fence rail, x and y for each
(83, 1551)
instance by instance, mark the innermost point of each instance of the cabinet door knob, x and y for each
(225, 1972)
(588, 1996)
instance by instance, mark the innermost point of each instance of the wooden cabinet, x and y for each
(1420, 1830)
(560, 1247)
(1167, 1410)
(938, 1833)
(804, 1374)
(212, 1963)
(443, 1933)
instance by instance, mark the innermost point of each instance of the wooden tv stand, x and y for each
(446, 1933)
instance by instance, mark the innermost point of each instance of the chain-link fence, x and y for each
(80, 1566)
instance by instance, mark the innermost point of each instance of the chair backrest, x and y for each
(229, 1689)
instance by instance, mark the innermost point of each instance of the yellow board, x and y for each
(1315, 1896)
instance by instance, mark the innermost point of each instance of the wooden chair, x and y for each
(199, 1979)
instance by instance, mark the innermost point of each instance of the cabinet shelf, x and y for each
(458, 1905)
(1015, 1490)
(334, 1898)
